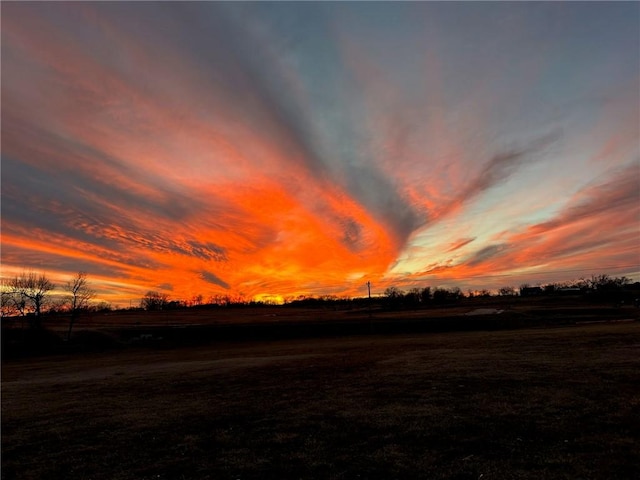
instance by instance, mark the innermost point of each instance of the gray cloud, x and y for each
(327, 143)
(212, 278)
(379, 195)
(503, 165)
(352, 232)
(486, 253)
(207, 251)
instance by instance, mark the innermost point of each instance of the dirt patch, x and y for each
(169, 368)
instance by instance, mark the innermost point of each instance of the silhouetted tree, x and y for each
(507, 291)
(393, 296)
(30, 291)
(425, 295)
(440, 295)
(412, 297)
(13, 301)
(79, 294)
(606, 288)
(605, 282)
(154, 300)
(6, 304)
(484, 293)
(445, 295)
(196, 300)
(103, 307)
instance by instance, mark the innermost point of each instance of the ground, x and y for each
(531, 403)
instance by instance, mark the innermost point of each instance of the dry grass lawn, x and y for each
(525, 404)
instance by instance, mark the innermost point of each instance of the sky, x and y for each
(272, 150)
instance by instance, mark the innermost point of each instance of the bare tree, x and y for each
(154, 300)
(8, 306)
(393, 292)
(79, 294)
(507, 291)
(196, 300)
(30, 291)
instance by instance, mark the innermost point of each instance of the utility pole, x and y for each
(369, 303)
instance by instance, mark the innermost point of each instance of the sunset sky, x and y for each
(280, 149)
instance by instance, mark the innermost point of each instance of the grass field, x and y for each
(201, 326)
(561, 403)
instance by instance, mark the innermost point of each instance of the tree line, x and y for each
(29, 293)
(602, 288)
(597, 287)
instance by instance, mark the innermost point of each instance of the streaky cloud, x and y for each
(502, 166)
(618, 194)
(460, 243)
(205, 251)
(214, 279)
(272, 82)
(486, 253)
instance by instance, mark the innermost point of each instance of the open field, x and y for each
(201, 326)
(561, 403)
(539, 310)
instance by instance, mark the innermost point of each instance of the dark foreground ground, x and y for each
(556, 403)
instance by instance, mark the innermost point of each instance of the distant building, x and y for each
(531, 291)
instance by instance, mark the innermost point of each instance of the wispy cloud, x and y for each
(499, 168)
(460, 243)
(212, 278)
(597, 229)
